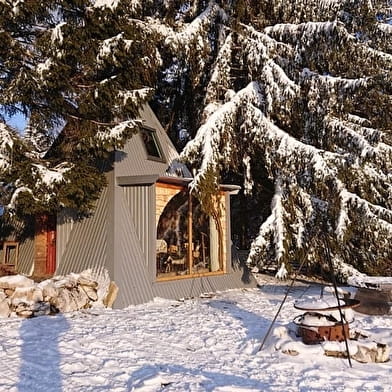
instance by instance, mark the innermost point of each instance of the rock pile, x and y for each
(23, 297)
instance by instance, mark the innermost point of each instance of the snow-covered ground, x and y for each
(203, 344)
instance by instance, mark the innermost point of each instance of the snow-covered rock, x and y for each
(13, 281)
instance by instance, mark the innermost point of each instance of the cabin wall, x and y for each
(85, 244)
(133, 230)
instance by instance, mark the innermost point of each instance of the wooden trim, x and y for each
(193, 276)
(190, 232)
(166, 185)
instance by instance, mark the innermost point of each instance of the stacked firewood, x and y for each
(21, 296)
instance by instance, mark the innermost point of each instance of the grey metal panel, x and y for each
(192, 287)
(84, 243)
(130, 271)
(65, 223)
(26, 257)
(134, 160)
(137, 180)
(139, 200)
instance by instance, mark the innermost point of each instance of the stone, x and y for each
(27, 294)
(80, 298)
(62, 301)
(41, 309)
(49, 290)
(377, 352)
(87, 282)
(9, 292)
(14, 281)
(24, 310)
(5, 310)
(90, 292)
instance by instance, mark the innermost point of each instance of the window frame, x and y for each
(222, 262)
(151, 132)
(8, 245)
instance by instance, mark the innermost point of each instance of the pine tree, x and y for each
(297, 94)
(75, 68)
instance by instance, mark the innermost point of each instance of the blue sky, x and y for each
(18, 121)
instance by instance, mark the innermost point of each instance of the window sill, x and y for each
(193, 276)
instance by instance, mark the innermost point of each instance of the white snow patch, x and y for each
(196, 345)
(49, 177)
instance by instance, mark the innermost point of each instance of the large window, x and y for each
(188, 240)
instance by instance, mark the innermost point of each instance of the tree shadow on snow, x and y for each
(254, 324)
(154, 377)
(40, 355)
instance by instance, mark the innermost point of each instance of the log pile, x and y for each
(23, 297)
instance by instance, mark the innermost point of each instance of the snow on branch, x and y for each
(134, 5)
(57, 34)
(118, 132)
(220, 78)
(376, 216)
(111, 4)
(334, 83)
(50, 177)
(308, 32)
(135, 96)
(194, 31)
(108, 48)
(279, 88)
(273, 230)
(22, 189)
(6, 146)
(349, 136)
(260, 47)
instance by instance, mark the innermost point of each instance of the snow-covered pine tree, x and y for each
(300, 91)
(79, 67)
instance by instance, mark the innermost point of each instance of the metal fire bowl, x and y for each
(314, 334)
(345, 304)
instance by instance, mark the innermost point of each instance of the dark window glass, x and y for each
(151, 143)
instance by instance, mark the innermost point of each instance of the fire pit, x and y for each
(321, 320)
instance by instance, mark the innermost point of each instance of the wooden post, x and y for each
(190, 239)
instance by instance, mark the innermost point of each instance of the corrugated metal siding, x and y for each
(135, 161)
(139, 200)
(26, 257)
(192, 287)
(130, 272)
(65, 224)
(85, 242)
